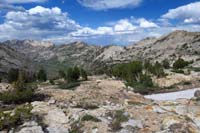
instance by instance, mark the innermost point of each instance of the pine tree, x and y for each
(13, 75)
(42, 76)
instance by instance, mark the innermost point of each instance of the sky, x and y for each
(101, 22)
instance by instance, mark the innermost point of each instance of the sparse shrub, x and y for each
(90, 118)
(118, 117)
(51, 81)
(178, 71)
(10, 120)
(187, 83)
(165, 64)
(87, 105)
(146, 80)
(42, 76)
(157, 70)
(17, 96)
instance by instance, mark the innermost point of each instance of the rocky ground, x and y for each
(104, 105)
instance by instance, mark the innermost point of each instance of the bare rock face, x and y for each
(5, 87)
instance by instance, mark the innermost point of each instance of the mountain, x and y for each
(10, 58)
(53, 57)
(172, 46)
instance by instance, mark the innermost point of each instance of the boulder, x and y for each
(197, 93)
(133, 123)
(31, 127)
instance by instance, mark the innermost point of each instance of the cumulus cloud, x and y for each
(22, 1)
(8, 4)
(188, 13)
(109, 4)
(146, 24)
(36, 23)
(54, 25)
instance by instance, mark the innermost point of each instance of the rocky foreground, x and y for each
(103, 105)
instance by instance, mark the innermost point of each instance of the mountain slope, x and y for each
(10, 58)
(54, 57)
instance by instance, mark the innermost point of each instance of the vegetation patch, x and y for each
(14, 118)
(118, 117)
(87, 106)
(69, 86)
(90, 118)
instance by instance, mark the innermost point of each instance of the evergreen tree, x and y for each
(69, 75)
(42, 76)
(13, 75)
(76, 73)
(180, 63)
(84, 74)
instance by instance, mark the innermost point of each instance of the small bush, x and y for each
(90, 118)
(118, 118)
(86, 105)
(17, 96)
(51, 82)
(165, 64)
(178, 71)
(187, 83)
(18, 117)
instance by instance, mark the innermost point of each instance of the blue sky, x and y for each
(102, 22)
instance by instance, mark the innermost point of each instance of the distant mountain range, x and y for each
(18, 53)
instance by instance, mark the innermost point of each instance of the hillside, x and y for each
(176, 44)
(10, 58)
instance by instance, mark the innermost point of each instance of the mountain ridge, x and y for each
(171, 46)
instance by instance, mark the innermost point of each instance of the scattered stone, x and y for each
(133, 123)
(51, 101)
(31, 127)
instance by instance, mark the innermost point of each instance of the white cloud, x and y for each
(8, 4)
(109, 4)
(22, 1)
(124, 25)
(36, 23)
(10, 7)
(188, 13)
(146, 24)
